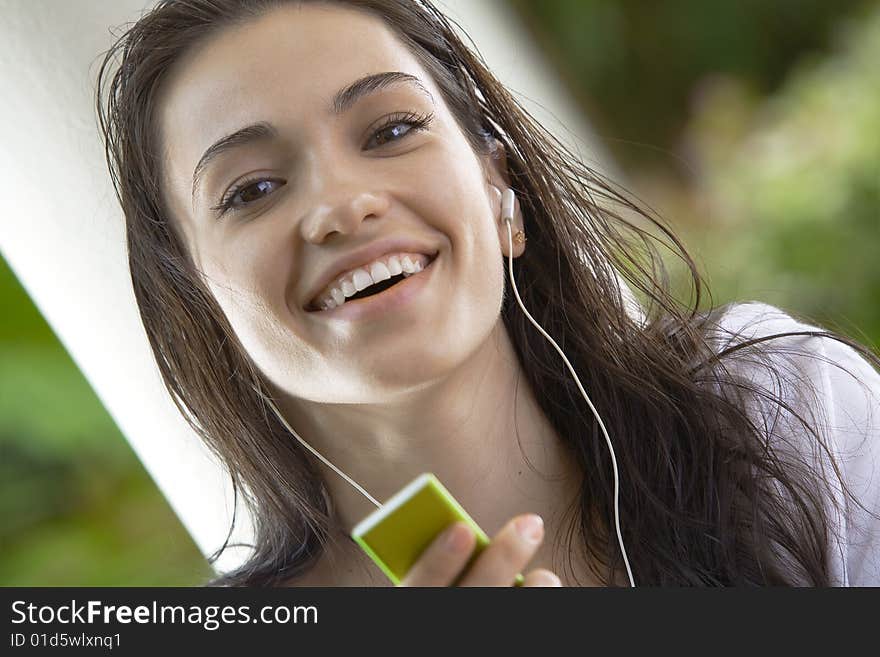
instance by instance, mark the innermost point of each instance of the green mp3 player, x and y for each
(395, 535)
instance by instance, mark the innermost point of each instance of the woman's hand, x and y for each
(511, 549)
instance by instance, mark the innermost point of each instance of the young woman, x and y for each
(278, 161)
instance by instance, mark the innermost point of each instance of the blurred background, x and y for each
(752, 128)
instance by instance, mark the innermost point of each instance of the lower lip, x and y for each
(385, 302)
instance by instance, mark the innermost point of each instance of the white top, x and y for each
(847, 413)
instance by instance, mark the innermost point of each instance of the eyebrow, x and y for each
(246, 135)
(342, 101)
(369, 84)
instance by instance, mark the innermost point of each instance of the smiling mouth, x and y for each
(376, 288)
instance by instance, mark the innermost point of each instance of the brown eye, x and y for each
(394, 131)
(398, 126)
(248, 192)
(256, 191)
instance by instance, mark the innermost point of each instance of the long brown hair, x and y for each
(703, 500)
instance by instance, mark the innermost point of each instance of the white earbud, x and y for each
(507, 204)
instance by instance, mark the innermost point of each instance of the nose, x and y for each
(343, 212)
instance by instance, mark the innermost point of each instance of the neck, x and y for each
(479, 430)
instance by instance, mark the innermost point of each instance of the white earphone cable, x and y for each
(326, 461)
(507, 205)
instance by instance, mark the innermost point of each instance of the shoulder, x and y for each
(798, 361)
(846, 381)
(772, 336)
(736, 323)
(834, 387)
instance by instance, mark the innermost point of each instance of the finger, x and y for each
(507, 553)
(541, 577)
(443, 560)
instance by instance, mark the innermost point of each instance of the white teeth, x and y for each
(364, 277)
(394, 267)
(379, 272)
(361, 279)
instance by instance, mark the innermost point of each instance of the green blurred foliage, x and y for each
(78, 508)
(753, 128)
(792, 182)
(633, 64)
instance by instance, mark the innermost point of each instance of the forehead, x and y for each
(283, 66)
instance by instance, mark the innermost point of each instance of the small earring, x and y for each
(520, 237)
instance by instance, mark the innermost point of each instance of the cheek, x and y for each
(242, 278)
(243, 292)
(475, 238)
(475, 256)
(450, 191)
(476, 295)
(245, 310)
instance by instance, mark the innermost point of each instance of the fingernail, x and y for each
(456, 538)
(530, 527)
(549, 579)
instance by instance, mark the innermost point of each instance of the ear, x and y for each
(497, 180)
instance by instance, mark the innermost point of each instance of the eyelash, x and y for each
(416, 122)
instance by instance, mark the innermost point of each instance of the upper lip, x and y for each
(365, 255)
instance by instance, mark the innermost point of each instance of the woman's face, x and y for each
(318, 184)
